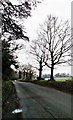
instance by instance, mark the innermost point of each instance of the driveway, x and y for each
(41, 102)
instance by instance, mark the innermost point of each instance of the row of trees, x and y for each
(62, 75)
(12, 28)
(53, 44)
(50, 48)
(26, 72)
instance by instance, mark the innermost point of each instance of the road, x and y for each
(41, 102)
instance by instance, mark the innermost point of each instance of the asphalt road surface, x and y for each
(41, 102)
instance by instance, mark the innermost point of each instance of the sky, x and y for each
(60, 8)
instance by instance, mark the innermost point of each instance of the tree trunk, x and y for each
(40, 69)
(52, 67)
(40, 74)
(51, 77)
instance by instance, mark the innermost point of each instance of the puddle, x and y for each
(16, 111)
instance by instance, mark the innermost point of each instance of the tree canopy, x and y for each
(12, 29)
(8, 59)
(55, 45)
(12, 15)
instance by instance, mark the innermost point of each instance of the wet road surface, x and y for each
(41, 102)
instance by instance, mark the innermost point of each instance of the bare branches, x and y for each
(58, 40)
(38, 50)
(12, 15)
(54, 42)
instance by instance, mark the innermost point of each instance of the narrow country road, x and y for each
(41, 102)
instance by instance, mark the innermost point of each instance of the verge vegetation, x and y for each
(65, 86)
(6, 90)
(10, 102)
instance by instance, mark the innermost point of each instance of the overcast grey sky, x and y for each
(60, 8)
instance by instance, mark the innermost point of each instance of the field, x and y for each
(61, 79)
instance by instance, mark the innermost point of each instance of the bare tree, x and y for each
(36, 50)
(57, 39)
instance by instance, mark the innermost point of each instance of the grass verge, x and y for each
(10, 102)
(66, 86)
(6, 90)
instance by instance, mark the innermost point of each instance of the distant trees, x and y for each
(26, 72)
(56, 42)
(62, 75)
(46, 76)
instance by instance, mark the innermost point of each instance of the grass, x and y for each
(0, 91)
(63, 79)
(6, 90)
(62, 85)
(10, 102)
(60, 78)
